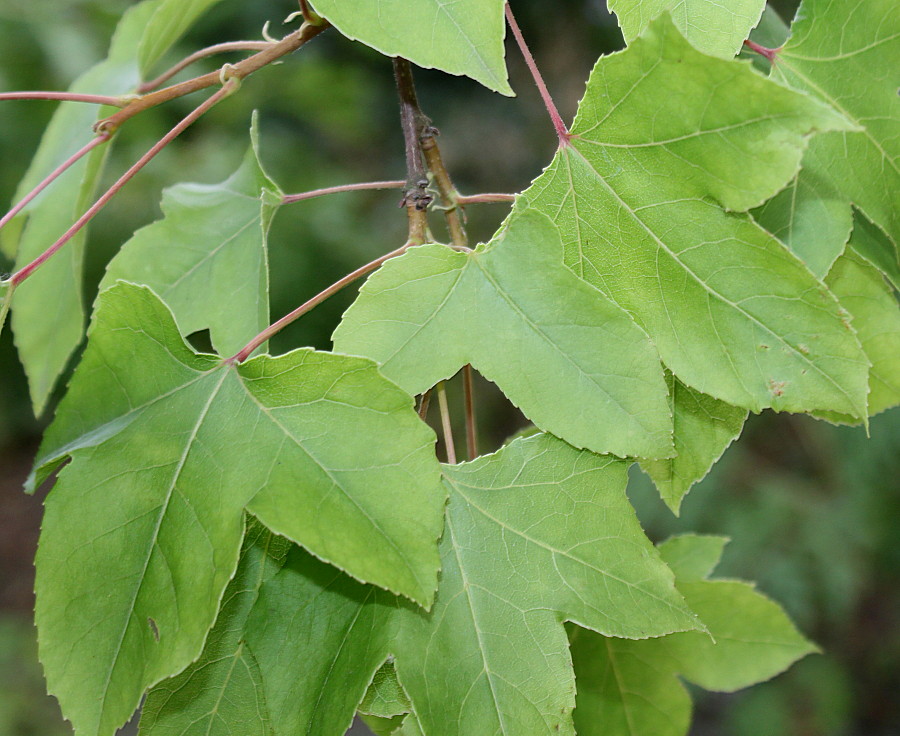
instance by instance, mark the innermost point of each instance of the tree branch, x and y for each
(239, 71)
(415, 197)
(219, 48)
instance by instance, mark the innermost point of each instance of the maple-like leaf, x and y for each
(703, 427)
(854, 71)
(207, 258)
(872, 244)
(221, 694)
(665, 138)
(713, 27)
(459, 37)
(535, 534)
(142, 530)
(558, 348)
(632, 688)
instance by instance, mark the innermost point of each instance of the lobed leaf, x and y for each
(554, 345)
(461, 37)
(853, 71)
(535, 534)
(703, 428)
(664, 138)
(632, 687)
(141, 533)
(207, 257)
(712, 27)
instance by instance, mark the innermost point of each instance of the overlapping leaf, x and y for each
(207, 258)
(535, 534)
(665, 137)
(703, 427)
(221, 694)
(876, 317)
(853, 70)
(631, 688)
(715, 28)
(142, 531)
(575, 363)
(459, 37)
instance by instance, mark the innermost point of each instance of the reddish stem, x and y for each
(291, 198)
(562, 131)
(219, 48)
(484, 198)
(471, 424)
(278, 326)
(52, 176)
(770, 54)
(65, 96)
(25, 272)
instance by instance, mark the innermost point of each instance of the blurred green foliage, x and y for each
(811, 508)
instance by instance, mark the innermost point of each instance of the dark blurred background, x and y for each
(811, 508)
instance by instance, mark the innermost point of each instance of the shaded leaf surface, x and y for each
(853, 70)
(663, 137)
(460, 37)
(221, 694)
(876, 318)
(703, 427)
(715, 28)
(554, 345)
(632, 687)
(535, 534)
(207, 258)
(167, 448)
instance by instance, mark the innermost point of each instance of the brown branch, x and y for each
(415, 197)
(239, 71)
(219, 48)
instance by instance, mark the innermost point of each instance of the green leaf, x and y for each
(461, 37)
(703, 428)
(811, 218)
(876, 318)
(221, 694)
(167, 25)
(554, 345)
(207, 258)
(632, 687)
(853, 71)
(385, 697)
(873, 245)
(712, 27)
(663, 134)
(535, 534)
(167, 448)
(48, 314)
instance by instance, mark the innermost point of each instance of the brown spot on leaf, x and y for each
(776, 388)
(154, 628)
